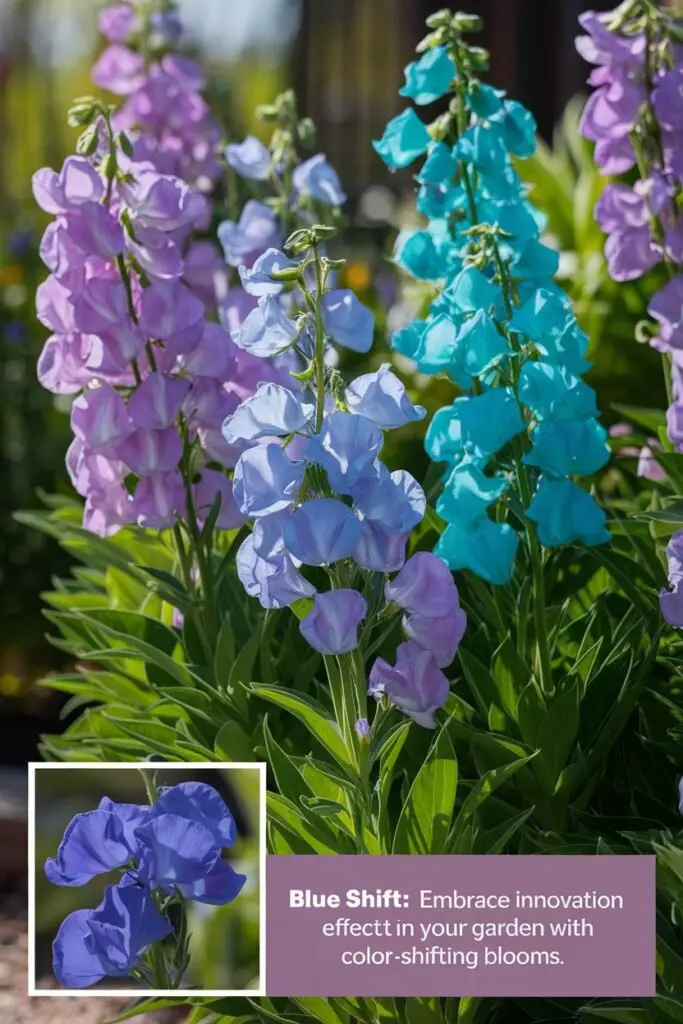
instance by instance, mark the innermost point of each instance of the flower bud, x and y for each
(439, 18)
(82, 113)
(479, 58)
(433, 39)
(306, 132)
(125, 144)
(267, 112)
(467, 22)
(87, 142)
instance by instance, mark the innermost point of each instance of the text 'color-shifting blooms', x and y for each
(499, 327)
(167, 853)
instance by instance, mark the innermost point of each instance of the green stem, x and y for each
(319, 356)
(150, 784)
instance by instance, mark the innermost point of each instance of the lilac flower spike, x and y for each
(331, 626)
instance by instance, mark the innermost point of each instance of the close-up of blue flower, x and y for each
(347, 321)
(249, 158)
(405, 139)
(166, 852)
(429, 78)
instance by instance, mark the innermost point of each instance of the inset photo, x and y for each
(146, 878)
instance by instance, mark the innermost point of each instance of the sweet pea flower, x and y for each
(564, 514)
(416, 684)
(276, 581)
(258, 280)
(93, 944)
(405, 139)
(99, 417)
(429, 78)
(250, 158)
(272, 411)
(321, 532)
(671, 601)
(331, 627)
(381, 397)
(347, 321)
(257, 230)
(346, 447)
(317, 178)
(424, 586)
(266, 480)
(441, 637)
(267, 331)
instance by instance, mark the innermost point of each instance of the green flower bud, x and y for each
(267, 112)
(467, 23)
(87, 142)
(306, 132)
(439, 19)
(125, 144)
(110, 166)
(81, 114)
(479, 58)
(433, 39)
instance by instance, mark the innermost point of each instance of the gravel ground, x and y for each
(16, 1007)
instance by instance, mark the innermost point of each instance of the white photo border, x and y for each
(137, 993)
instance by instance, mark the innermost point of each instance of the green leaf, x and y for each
(650, 419)
(313, 715)
(426, 816)
(482, 790)
(233, 744)
(424, 1010)
(496, 839)
(559, 730)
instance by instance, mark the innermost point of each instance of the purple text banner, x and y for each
(461, 926)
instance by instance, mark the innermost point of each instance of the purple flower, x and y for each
(382, 398)
(256, 231)
(119, 70)
(78, 182)
(393, 500)
(424, 586)
(159, 500)
(272, 411)
(347, 321)
(346, 448)
(317, 178)
(671, 601)
(250, 158)
(362, 728)
(276, 581)
(258, 280)
(416, 684)
(331, 626)
(151, 451)
(666, 306)
(157, 401)
(322, 531)
(214, 356)
(169, 311)
(379, 549)
(161, 201)
(99, 418)
(267, 331)
(266, 480)
(118, 22)
(439, 636)
(109, 941)
(210, 485)
(94, 843)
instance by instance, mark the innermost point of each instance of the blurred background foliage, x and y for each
(224, 945)
(345, 62)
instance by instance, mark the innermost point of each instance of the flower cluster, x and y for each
(156, 379)
(634, 117)
(162, 92)
(499, 328)
(167, 852)
(315, 487)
